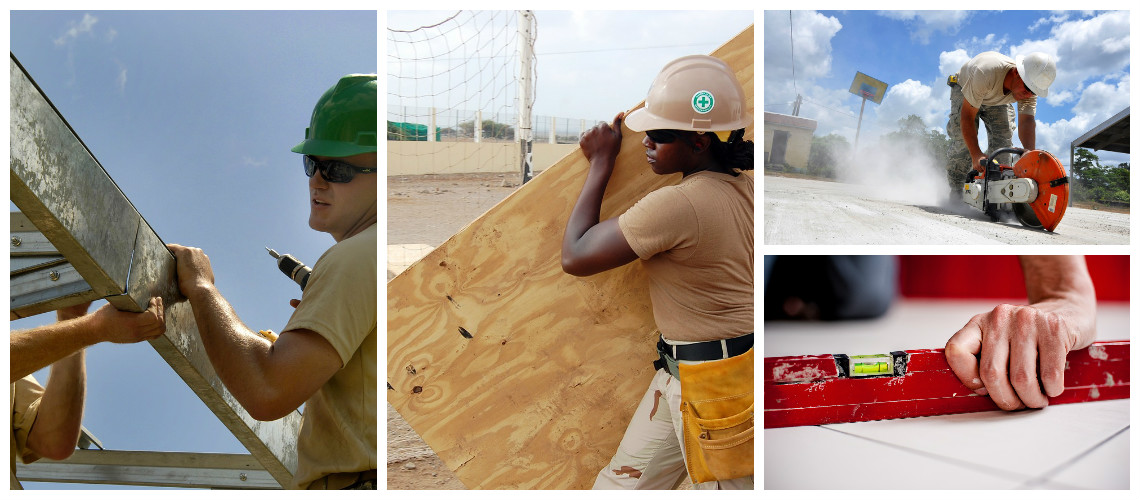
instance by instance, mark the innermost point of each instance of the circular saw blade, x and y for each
(1025, 215)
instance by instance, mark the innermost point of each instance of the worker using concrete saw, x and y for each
(986, 88)
(695, 240)
(326, 355)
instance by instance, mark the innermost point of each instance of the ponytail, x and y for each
(736, 154)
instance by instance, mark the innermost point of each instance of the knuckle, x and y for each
(989, 373)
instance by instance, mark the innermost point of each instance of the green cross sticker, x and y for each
(703, 101)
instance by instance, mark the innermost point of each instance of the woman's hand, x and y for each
(602, 143)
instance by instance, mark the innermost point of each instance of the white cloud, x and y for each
(812, 50)
(112, 33)
(76, 29)
(925, 23)
(951, 62)
(1084, 48)
(121, 80)
(977, 45)
(912, 97)
(250, 162)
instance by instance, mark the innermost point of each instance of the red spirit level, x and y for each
(836, 388)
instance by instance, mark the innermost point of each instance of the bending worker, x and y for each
(695, 242)
(986, 87)
(326, 355)
(46, 421)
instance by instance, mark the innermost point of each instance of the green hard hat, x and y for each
(344, 120)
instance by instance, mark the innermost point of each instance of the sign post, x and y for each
(867, 88)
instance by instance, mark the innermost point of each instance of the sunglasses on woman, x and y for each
(333, 170)
(664, 136)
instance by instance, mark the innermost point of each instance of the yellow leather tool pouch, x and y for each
(717, 415)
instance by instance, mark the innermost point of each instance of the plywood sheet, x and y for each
(517, 374)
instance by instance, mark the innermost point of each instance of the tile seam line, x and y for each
(1043, 478)
(999, 473)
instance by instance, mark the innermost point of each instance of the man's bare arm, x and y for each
(56, 429)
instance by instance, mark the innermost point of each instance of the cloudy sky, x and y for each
(914, 52)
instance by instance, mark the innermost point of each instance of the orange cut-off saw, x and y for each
(1034, 189)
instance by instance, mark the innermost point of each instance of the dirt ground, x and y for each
(429, 209)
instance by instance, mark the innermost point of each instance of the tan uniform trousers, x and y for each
(650, 456)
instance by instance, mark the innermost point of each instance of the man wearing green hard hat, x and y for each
(326, 355)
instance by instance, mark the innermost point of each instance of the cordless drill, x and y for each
(292, 267)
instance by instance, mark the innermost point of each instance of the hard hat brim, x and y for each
(336, 149)
(641, 120)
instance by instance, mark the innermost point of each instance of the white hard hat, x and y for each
(1037, 70)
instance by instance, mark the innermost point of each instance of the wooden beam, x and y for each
(151, 468)
(517, 374)
(66, 194)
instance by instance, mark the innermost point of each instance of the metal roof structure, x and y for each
(78, 238)
(1112, 135)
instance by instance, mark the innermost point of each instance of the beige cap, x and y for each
(698, 93)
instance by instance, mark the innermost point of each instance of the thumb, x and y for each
(294, 303)
(961, 354)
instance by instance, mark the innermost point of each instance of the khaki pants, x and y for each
(650, 456)
(999, 121)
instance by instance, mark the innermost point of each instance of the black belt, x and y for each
(708, 351)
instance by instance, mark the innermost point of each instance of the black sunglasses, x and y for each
(663, 136)
(333, 170)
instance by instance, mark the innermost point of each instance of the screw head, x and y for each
(241, 476)
(16, 241)
(54, 276)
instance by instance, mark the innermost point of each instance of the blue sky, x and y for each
(913, 52)
(193, 115)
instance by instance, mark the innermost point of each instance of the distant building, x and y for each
(787, 139)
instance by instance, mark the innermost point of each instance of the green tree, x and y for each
(826, 151)
(1093, 181)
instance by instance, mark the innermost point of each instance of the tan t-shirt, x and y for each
(696, 242)
(25, 405)
(338, 429)
(982, 79)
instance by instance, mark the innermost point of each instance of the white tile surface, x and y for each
(1105, 467)
(1024, 443)
(817, 458)
(1042, 449)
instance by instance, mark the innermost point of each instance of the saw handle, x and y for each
(990, 163)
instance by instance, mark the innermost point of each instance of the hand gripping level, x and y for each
(836, 388)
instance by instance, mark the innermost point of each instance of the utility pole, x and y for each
(526, 91)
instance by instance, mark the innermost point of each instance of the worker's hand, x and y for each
(194, 270)
(123, 327)
(72, 312)
(602, 142)
(1017, 344)
(978, 163)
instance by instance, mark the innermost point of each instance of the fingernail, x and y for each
(982, 392)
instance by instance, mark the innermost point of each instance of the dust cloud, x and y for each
(900, 173)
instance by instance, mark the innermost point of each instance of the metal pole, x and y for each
(526, 90)
(431, 126)
(860, 125)
(478, 126)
